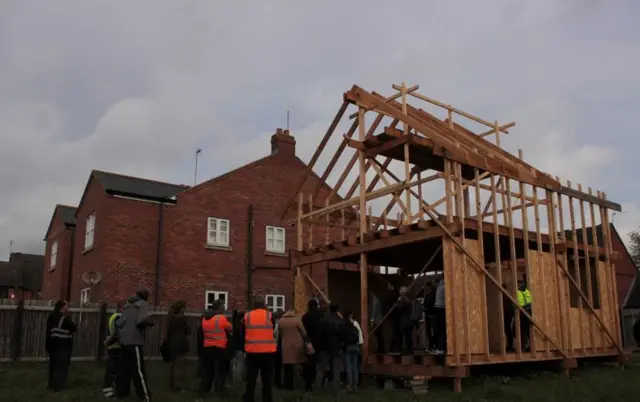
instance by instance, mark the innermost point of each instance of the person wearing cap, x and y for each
(130, 330)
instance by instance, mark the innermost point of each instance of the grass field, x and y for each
(26, 382)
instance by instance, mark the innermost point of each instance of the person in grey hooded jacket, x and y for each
(130, 332)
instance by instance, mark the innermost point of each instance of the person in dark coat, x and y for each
(330, 355)
(178, 332)
(277, 361)
(59, 344)
(311, 321)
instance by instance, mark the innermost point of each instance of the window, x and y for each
(574, 295)
(54, 255)
(275, 239)
(218, 234)
(85, 296)
(213, 295)
(89, 231)
(275, 303)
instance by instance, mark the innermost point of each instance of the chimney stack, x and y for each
(283, 143)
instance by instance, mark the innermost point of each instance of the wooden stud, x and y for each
(310, 226)
(576, 265)
(420, 211)
(344, 234)
(447, 184)
(566, 314)
(496, 242)
(407, 167)
(485, 314)
(525, 240)
(553, 236)
(326, 234)
(299, 226)
(364, 293)
(465, 271)
(612, 271)
(596, 256)
(514, 272)
(585, 244)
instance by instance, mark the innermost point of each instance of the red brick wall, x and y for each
(625, 268)
(89, 260)
(129, 247)
(190, 268)
(55, 281)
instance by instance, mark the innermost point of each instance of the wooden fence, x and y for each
(629, 317)
(23, 329)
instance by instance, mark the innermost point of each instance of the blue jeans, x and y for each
(351, 366)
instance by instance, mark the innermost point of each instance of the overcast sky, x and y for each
(136, 87)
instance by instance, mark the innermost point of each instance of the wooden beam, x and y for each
(316, 154)
(390, 98)
(568, 191)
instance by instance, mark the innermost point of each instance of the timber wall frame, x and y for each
(574, 315)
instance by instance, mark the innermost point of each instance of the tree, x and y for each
(634, 236)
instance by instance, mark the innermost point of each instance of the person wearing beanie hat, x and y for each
(130, 331)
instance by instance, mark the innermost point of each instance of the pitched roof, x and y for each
(67, 215)
(22, 271)
(10, 275)
(137, 187)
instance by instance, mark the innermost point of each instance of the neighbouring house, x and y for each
(21, 276)
(626, 270)
(196, 243)
(117, 236)
(58, 255)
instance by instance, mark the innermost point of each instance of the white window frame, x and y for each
(214, 240)
(89, 231)
(53, 257)
(275, 230)
(275, 308)
(216, 296)
(85, 296)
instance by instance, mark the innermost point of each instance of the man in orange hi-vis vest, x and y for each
(215, 329)
(260, 346)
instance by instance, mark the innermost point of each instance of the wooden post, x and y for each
(344, 234)
(420, 199)
(576, 270)
(102, 331)
(18, 326)
(496, 242)
(407, 166)
(553, 239)
(596, 256)
(310, 224)
(326, 233)
(525, 238)
(587, 260)
(479, 221)
(561, 280)
(514, 268)
(611, 268)
(364, 296)
(465, 271)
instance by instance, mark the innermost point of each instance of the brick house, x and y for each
(188, 243)
(21, 276)
(117, 226)
(58, 254)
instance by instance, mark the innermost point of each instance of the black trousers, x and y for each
(214, 363)
(59, 362)
(114, 358)
(525, 329)
(310, 370)
(508, 330)
(259, 363)
(132, 369)
(308, 375)
(440, 328)
(277, 368)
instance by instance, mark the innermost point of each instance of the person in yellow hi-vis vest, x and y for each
(114, 355)
(524, 301)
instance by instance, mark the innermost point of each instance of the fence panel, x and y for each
(89, 319)
(7, 325)
(629, 317)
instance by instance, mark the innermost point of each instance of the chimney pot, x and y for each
(282, 142)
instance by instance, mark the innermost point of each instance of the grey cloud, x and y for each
(135, 89)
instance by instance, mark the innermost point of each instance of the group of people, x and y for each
(318, 345)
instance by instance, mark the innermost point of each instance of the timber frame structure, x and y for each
(483, 251)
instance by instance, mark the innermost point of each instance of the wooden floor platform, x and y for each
(427, 365)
